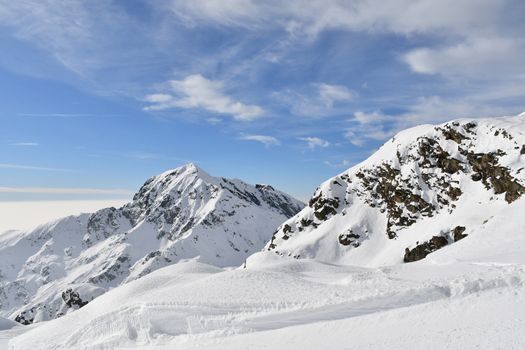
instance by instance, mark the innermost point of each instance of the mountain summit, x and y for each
(181, 214)
(427, 188)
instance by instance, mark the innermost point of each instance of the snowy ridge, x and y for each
(426, 188)
(181, 214)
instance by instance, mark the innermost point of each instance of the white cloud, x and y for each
(264, 139)
(342, 164)
(61, 190)
(333, 93)
(360, 135)
(29, 167)
(195, 91)
(369, 126)
(314, 142)
(367, 118)
(26, 144)
(477, 58)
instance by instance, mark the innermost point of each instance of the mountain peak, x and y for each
(426, 188)
(183, 213)
(184, 170)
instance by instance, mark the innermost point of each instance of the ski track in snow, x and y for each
(208, 318)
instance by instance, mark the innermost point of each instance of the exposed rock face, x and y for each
(181, 214)
(423, 249)
(349, 238)
(487, 170)
(435, 243)
(401, 204)
(457, 233)
(26, 317)
(72, 299)
(420, 176)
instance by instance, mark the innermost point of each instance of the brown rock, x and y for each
(458, 234)
(425, 248)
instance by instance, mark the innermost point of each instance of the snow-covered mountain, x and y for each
(426, 188)
(181, 214)
(452, 194)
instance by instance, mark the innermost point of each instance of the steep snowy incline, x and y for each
(426, 188)
(180, 214)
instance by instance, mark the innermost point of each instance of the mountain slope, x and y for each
(426, 188)
(181, 214)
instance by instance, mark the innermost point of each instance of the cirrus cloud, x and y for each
(314, 142)
(264, 139)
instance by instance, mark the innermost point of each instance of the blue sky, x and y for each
(97, 96)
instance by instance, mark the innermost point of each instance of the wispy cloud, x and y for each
(77, 34)
(378, 126)
(26, 144)
(374, 126)
(61, 190)
(195, 91)
(30, 167)
(316, 100)
(64, 115)
(341, 164)
(314, 142)
(310, 17)
(330, 94)
(264, 139)
(474, 45)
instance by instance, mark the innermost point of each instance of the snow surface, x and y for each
(470, 294)
(448, 301)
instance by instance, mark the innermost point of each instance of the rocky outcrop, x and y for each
(457, 233)
(425, 248)
(72, 299)
(436, 242)
(26, 317)
(493, 176)
(349, 238)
